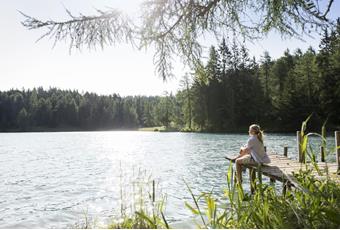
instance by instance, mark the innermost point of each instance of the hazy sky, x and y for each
(121, 69)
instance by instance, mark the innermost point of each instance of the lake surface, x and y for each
(51, 180)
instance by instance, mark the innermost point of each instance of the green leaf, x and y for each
(194, 211)
(304, 125)
(147, 219)
(304, 144)
(229, 174)
(165, 222)
(196, 203)
(211, 207)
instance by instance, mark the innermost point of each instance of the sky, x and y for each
(25, 63)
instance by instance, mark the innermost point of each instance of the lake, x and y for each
(51, 180)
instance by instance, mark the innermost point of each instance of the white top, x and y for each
(257, 150)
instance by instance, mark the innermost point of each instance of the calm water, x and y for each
(50, 180)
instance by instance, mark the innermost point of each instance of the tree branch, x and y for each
(175, 26)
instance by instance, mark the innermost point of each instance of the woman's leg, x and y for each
(245, 159)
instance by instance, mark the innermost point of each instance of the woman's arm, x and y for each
(243, 151)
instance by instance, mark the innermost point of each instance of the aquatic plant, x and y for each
(146, 210)
(141, 206)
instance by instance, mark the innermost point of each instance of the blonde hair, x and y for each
(258, 132)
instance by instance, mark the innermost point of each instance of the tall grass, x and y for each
(145, 207)
(141, 206)
(316, 205)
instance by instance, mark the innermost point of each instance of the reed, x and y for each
(145, 206)
(141, 205)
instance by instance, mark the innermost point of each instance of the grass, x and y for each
(315, 204)
(146, 209)
(141, 206)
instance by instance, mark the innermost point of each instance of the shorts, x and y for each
(246, 159)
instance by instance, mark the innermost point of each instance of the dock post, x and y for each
(252, 178)
(265, 149)
(259, 173)
(298, 141)
(322, 153)
(337, 145)
(259, 176)
(285, 151)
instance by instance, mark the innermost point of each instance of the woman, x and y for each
(253, 152)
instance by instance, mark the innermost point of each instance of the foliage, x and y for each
(142, 218)
(143, 207)
(56, 109)
(176, 26)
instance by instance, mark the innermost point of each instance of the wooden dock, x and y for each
(282, 168)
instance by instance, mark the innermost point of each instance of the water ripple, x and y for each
(50, 179)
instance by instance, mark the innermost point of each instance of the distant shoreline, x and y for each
(143, 129)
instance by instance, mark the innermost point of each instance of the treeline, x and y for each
(227, 93)
(65, 109)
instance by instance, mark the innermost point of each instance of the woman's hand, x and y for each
(244, 150)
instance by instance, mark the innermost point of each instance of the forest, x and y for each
(225, 94)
